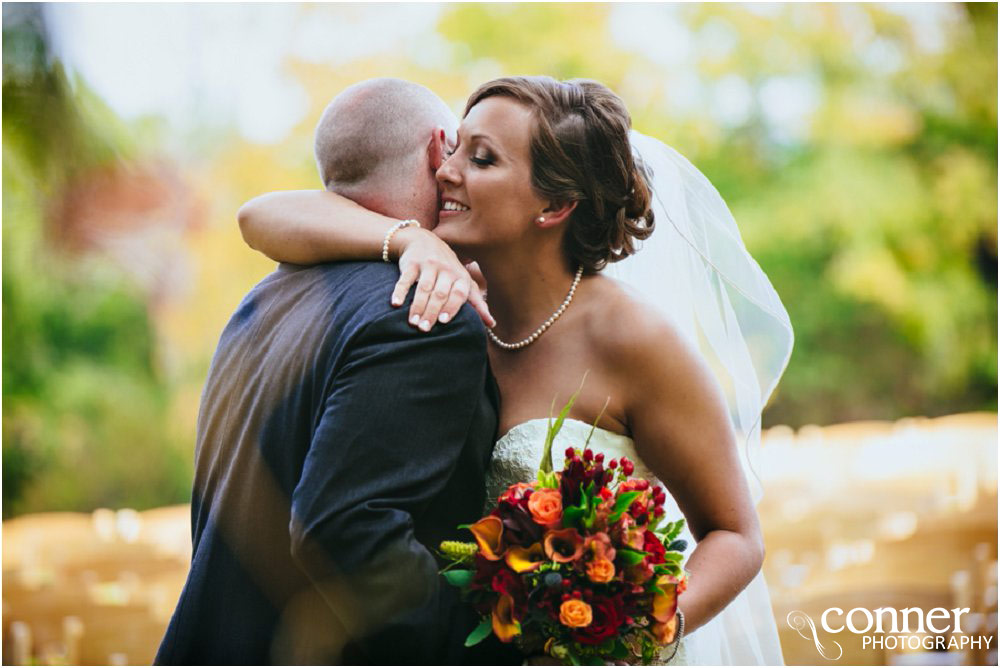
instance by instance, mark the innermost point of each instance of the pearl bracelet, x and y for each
(392, 230)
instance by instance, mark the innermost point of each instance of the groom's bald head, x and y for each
(375, 134)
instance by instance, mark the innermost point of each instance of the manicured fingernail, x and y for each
(444, 317)
(425, 326)
(414, 319)
(396, 301)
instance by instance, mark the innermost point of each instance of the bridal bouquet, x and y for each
(578, 563)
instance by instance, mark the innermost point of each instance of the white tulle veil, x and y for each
(695, 270)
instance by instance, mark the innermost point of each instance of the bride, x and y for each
(544, 190)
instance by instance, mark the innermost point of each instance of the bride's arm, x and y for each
(678, 417)
(313, 226)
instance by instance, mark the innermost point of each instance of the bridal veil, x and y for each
(697, 272)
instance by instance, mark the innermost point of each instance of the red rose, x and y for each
(609, 617)
(485, 570)
(653, 545)
(506, 582)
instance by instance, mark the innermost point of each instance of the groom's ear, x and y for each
(556, 213)
(437, 148)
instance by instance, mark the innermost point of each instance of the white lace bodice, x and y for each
(518, 453)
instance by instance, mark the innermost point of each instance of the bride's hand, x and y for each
(443, 282)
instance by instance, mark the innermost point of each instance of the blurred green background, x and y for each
(855, 144)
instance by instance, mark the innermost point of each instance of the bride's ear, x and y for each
(437, 148)
(556, 213)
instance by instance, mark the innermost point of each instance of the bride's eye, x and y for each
(482, 159)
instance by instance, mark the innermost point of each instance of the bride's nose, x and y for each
(448, 172)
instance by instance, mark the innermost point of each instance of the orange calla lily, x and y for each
(665, 604)
(564, 545)
(504, 625)
(664, 632)
(525, 559)
(489, 534)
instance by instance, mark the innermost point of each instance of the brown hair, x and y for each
(580, 152)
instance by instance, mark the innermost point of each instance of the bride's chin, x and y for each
(451, 233)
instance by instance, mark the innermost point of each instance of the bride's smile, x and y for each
(488, 201)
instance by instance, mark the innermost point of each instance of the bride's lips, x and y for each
(451, 207)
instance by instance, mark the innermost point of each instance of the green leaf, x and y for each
(547, 480)
(594, 426)
(459, 578)
(589, 504)
(631, 557)
(593, 661)
(573, 517)
(573, 658)
(621, 505)
(678, 545)
(673, 530)
(619, 651)
(546, 465)
(480, 632)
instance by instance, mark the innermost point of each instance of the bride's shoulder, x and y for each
(631, 333)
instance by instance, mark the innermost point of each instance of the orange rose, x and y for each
(600, 570)
(576, 614)
(545, 506)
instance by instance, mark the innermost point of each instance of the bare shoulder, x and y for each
(633, 337)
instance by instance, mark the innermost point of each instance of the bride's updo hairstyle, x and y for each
(580, 152)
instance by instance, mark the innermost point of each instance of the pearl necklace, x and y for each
(545, 325)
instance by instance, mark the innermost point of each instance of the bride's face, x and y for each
(487, 200)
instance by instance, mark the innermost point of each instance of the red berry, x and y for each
(629, 620)
(613, 464)
(577, 594)
(566, 597)
(588, 455)
(658, 512)
(566, 582)
(569, 453)
(628, 468)
(599, 458)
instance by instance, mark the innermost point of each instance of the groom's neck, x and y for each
(394, 201)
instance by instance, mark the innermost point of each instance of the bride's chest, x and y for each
(538, 383)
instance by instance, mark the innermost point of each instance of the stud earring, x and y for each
(540, 219)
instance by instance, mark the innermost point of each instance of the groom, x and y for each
(337, 445)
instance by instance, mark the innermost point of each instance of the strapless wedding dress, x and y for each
(744, 633)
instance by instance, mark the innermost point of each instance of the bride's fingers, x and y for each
(478, 303)
(437, 299)
(428, 277)
(458, 296)
(407, 278)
